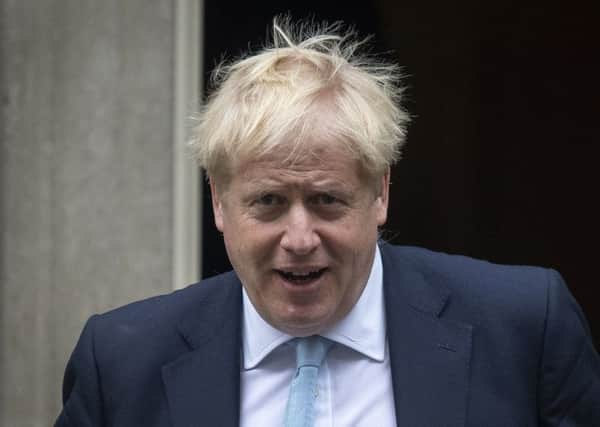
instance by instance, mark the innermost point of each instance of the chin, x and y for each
(303, 326)
(300, 331)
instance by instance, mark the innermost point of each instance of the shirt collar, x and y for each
(363, 329)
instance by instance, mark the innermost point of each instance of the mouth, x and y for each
(301, 277)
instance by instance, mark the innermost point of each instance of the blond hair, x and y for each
(271, 99)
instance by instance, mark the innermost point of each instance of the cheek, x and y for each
(354, 244)
(349, 246)
(249, 247)
(356, 232)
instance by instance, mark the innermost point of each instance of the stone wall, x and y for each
(86, 184)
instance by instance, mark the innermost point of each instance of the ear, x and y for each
(382, 200)
(217, 205)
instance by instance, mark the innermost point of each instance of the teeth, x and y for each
(296, 275)
(291, 273)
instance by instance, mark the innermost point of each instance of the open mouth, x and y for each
(300, 278)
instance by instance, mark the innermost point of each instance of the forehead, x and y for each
(319, 163)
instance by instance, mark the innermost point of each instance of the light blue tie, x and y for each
(310, 352)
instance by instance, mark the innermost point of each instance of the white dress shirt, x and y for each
(355, 383)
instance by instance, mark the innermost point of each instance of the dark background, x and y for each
(502, 153)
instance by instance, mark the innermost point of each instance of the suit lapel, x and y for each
(429, 355)
(203, 385)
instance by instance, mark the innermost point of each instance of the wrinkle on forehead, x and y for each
(325, 167)
(297, 178)
(312, 155)
(324, 156)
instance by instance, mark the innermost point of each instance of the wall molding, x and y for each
(187, 190)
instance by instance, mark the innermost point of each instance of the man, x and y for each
(297, 142)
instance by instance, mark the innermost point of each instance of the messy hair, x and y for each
(270, 100)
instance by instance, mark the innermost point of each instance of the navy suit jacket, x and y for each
(471, 344)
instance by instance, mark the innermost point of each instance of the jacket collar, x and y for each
(430, 355)
(202, 386)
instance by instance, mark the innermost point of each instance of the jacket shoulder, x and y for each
(457, 271)
(477, 288)
(525, 323)
(154, 322)
(122, 351)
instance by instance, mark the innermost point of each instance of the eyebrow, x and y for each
(325, 184)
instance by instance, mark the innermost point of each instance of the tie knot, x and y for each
(310, 351)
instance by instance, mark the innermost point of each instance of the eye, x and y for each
(324, 199)
(270, 200)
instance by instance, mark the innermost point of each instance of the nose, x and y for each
(300, 237)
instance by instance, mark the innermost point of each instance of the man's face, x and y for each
(301, 236)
